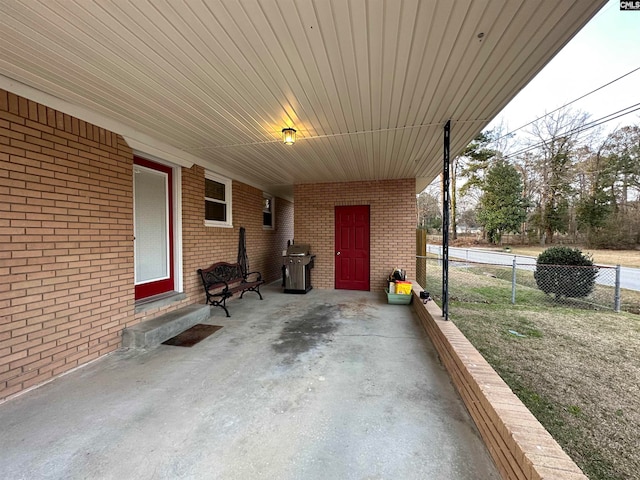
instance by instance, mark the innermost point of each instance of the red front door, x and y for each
(153, 228)
(352, 247)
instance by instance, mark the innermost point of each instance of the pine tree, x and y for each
(502, 208)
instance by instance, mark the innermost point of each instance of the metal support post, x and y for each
(513, 282)
(617, 294)
(445, 222)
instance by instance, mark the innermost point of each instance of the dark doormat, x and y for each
(190, 337)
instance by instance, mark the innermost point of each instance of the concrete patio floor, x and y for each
(327, 385)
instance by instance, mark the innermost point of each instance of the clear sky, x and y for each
(606, 48)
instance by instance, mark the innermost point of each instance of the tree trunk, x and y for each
(623, 200)
(454, 223)
(549, 234)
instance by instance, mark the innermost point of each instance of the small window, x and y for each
(267, 211)
(217, 201)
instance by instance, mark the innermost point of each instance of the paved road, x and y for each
(629, 277)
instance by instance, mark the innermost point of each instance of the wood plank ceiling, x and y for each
(367, 84)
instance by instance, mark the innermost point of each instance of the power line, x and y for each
(567, 104)
(587, 126)
(593, 124)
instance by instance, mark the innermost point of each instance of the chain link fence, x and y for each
(596, 287)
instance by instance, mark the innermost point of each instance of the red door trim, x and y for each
(167, 285)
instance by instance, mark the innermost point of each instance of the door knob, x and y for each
(337, 253)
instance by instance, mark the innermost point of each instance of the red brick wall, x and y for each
(204, 245)
(66, 241)
(519, 445)
(392, 225)
(66, 250)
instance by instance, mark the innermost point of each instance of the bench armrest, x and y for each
(258, 276)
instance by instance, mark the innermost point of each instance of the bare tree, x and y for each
(623, 148)
(556, 138)
(608, 206)
(429, 212)
(524, 164)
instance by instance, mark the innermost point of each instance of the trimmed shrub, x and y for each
(565, 272)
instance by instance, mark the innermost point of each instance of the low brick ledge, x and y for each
(520, 446)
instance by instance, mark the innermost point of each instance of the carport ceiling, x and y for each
(368, 85)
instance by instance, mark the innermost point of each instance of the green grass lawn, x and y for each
(576, 369)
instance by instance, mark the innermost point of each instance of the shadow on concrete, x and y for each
(327, 385)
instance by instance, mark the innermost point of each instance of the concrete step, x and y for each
(159, 329)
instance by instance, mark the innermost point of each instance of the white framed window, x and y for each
(217, 201)
(268, 212)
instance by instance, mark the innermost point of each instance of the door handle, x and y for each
(337, 253)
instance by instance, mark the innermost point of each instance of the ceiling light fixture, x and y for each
(288, 136)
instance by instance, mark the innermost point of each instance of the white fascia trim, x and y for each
(136, 140)
(158, 150)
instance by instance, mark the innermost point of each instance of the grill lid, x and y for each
(298, 250)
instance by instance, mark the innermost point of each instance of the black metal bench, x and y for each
(221, 280)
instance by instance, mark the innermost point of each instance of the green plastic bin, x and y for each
(398, 298)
